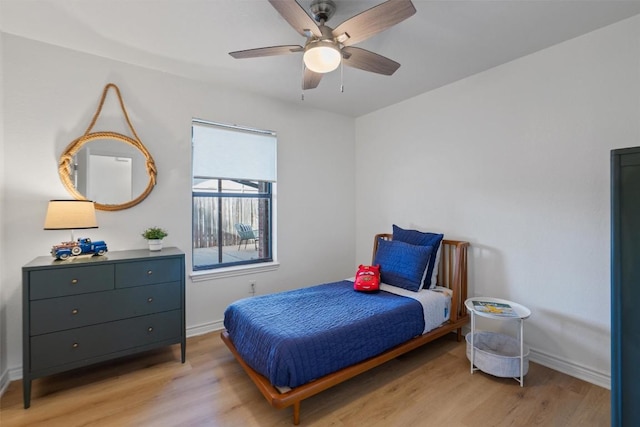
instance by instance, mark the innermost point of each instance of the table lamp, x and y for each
(70, 215)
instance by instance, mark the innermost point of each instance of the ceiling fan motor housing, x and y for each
(322, 10)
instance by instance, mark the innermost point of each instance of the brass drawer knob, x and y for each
(75, 345)
(74, 311)
(150, 299)
(150, 329)
(74, 281)
(149, 273)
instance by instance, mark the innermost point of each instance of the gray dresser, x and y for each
(91, 309)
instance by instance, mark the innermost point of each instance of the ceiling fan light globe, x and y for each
(322, 58)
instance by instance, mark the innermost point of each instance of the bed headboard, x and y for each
(452, 271)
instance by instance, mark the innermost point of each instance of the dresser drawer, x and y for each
(58, 314)
(70, 281)
(148, 272)
(74, 345)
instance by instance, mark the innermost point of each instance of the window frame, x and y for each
(227, 269)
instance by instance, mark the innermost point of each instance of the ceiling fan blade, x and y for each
(311, 79)
(368, 61)
(295, 15)
(373, 21)
(266, 51)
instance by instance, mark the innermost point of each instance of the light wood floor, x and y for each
(430, 386)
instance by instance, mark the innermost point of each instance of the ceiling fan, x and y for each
(326, 47)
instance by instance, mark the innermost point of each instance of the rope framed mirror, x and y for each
(114, 170)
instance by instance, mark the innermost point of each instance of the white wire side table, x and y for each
(503, 310)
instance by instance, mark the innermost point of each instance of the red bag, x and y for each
(367, 278)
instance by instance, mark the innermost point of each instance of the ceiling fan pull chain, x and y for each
(341, 76)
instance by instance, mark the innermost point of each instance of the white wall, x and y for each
(4, 378)
(516, 161)
(51, 93)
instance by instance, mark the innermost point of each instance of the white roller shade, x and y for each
(233, 153)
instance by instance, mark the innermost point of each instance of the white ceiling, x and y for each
(443, 42)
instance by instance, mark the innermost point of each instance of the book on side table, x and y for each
(495, 308)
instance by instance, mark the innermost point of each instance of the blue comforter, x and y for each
(296, 336)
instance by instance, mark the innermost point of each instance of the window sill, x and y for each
(220, 273)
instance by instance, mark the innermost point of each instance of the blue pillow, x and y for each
(401, 264)
(414, 237)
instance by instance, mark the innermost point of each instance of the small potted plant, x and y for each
(154, 236)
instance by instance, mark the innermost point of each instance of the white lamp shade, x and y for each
(322, 57)
(70, 215)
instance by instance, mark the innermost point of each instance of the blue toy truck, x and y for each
(84, 245)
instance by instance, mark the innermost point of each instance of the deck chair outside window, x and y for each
(246, 233)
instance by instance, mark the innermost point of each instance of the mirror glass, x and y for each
(115, 190)
(109, 171)
(113, 170)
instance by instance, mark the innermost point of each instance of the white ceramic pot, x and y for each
(155, 244)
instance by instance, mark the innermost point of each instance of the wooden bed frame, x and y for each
(452, 274)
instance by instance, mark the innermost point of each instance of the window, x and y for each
(234, 174)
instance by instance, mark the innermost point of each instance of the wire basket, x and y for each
(497, 354)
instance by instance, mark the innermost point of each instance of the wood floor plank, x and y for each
(430, 386)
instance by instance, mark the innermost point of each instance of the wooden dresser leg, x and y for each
(296, 413)
(26, 389)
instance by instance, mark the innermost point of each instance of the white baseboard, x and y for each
(4, 381)
(15, 373)
(573, 369)
(205, 328)
(9, 375)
